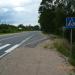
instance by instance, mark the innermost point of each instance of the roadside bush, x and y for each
(62, 46)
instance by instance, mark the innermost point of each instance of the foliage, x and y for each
(6, 28)
(63, 47)
(53, 13)
(28, 28)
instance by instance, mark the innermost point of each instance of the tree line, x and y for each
(7, 28)
(52, 14)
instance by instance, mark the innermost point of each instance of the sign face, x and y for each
(70, 22)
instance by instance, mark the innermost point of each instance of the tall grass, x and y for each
(63, 46)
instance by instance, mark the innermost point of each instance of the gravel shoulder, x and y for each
(34, 61)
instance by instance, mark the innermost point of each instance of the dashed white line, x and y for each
(4, 46)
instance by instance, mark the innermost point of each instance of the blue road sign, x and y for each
(70, 22)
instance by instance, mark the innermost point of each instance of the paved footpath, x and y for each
(33, 61)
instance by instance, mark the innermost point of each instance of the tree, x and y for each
(21, 27)
(6, 28)
(36, 27)
(46, 11)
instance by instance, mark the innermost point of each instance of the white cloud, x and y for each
(13, 3)
(5, 9)
(20, 11)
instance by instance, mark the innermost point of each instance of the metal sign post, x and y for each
(71, 42)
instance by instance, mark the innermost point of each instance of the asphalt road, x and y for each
(10, 42)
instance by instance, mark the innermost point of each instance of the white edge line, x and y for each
(11, 49)
(25, 40)
(16, 46)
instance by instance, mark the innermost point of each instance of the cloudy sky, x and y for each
(19, 11)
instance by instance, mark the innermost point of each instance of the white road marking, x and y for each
(16, 46)
(25, 40)
(11, 49)
(4, 46)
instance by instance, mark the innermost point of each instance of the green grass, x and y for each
(62, 46)
(72, 58)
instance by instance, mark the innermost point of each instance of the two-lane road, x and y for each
(9, 42)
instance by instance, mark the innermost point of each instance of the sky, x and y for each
(19, 11)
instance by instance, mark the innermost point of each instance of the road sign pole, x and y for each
(71, 43)
(70, 24)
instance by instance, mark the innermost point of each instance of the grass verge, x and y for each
(63, 46)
